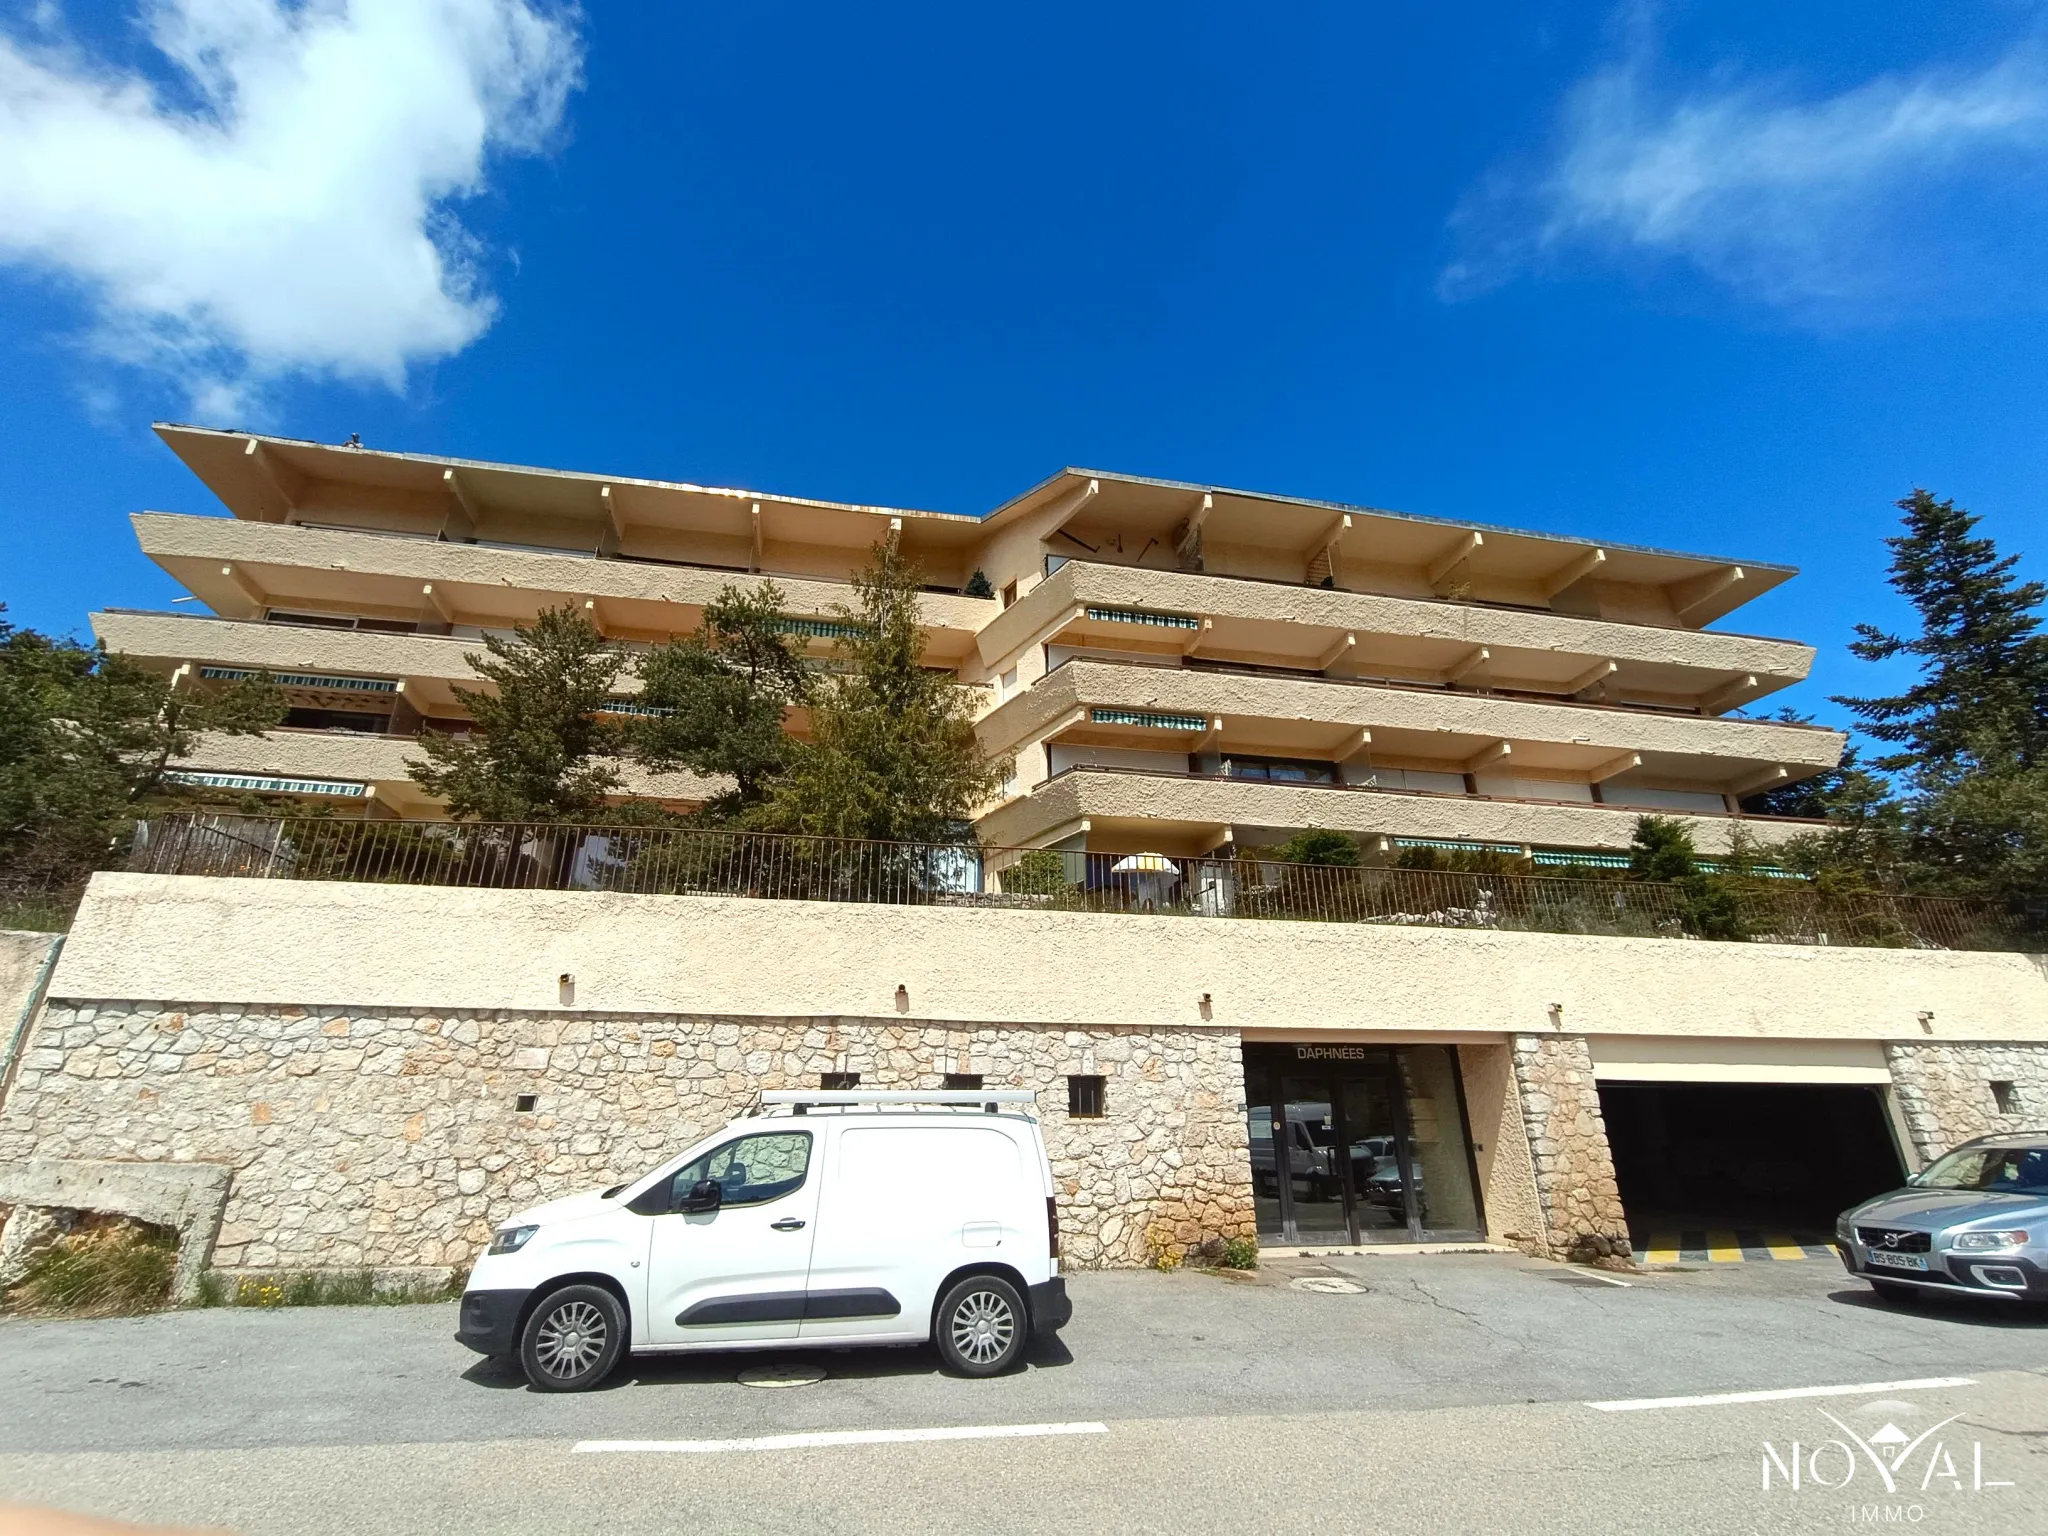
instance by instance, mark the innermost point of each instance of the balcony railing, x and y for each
(701, 862)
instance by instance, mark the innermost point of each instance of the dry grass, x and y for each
(105, 1266)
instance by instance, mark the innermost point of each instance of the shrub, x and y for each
(1041, 872)
(1317, 846)
(1240, 1253)
(105, 1266)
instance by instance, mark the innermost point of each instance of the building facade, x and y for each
(1183, 675)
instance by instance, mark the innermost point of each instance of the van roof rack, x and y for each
(991, 1100)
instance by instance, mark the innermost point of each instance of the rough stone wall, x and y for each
(1945, 1091)
(1575, 1184)
(391, 1138)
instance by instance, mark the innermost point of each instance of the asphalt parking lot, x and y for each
(231, 1417)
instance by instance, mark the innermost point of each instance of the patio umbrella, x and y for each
(1151, 874)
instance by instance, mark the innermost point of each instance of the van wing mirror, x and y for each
(704, 1195)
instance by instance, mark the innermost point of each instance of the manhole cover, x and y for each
(781, 1376)
(1328, 1285)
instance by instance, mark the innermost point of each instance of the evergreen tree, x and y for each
(1982, 697)
(1661, 849)
(541, 749)
(893, 754)
(722, 692)
(1972, 731)
(88, 742)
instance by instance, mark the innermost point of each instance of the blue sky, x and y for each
(1728, 279)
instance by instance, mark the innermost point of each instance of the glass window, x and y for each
(754, 1169)
(2008, 1170)
(1280, 770)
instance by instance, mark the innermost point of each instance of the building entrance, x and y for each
(1359, 1144)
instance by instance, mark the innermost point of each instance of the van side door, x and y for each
(906, 1205)
(736, 1274)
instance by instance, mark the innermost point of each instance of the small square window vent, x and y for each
(963, 1080)
(1086, 1099)
(2006, 1097)
(526, 1102)
(835, 1082)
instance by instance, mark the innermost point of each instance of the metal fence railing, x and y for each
(708, 862)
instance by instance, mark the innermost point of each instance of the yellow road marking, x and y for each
(1663, 1249)
(1724, 1248)
(1783, 1247)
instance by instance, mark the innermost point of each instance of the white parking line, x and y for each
(843, 1437)
(1594, 1274)
(1780, 1394)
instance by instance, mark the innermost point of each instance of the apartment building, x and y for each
(1175, 669)
(390, 1059)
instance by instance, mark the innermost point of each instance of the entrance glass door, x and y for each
(1357, 1144)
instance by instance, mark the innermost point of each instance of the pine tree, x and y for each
(721, 693)
(1972, 731)
(1982, 697)
(88, 742)
(541, 749)
(893, 755)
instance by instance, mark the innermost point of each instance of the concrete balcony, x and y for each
(1402, 639)
(243, 568)
(427, 665)
(1188, 814)
(364, 771)
(1164, 708)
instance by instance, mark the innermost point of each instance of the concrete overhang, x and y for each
(1167, 615)
(1138, 513)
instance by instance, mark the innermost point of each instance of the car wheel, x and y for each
(1896, 1295)
(981, 1326)
(573, 1339)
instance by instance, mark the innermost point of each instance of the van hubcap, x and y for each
(983, 1326)
(571, 1339)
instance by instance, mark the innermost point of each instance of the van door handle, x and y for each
(787, 1224)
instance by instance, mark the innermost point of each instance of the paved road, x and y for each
(1447, 1393)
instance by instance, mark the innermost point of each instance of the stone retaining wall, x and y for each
(393, 1138)
(1945, 1091)
(1575, 1184)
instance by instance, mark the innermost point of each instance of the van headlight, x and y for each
(1987, 1242)
(511, 1239)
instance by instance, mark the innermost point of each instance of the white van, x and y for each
(827, 1218)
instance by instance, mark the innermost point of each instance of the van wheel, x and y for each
(982, 1326)
(573, 1339)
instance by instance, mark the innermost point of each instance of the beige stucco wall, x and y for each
(1209, 694)
(296, 942)
(382, 760)
(1057, 805)
(551, 579)
(1368, 614)
(1507, 1174)
(285, 647)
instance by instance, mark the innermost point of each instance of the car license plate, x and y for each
(1884, 1259)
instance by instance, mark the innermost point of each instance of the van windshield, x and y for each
(1994, 1170)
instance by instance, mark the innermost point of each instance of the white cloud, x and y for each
(280, 202)
(1824, 206)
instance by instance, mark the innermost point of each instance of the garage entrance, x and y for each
(1780, 1157)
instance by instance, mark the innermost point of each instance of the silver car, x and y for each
(1973, 1223)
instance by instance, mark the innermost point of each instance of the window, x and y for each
(1280, 770)
(337, 720)
(2006, 1097)
(1085, 1097)
(963, 1080)
(524, 1103)
(754, 1169)
(1007, 683)
(836, 1082)
(1009, 593)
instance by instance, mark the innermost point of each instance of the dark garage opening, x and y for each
(1746, 1156)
